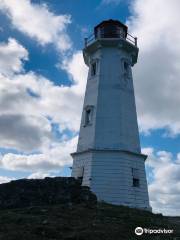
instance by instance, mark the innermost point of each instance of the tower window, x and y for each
(136, 182)
(88, 115)
(135, 177)
(93, 69)
(126, 68)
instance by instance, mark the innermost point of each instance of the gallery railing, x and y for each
(92, 38)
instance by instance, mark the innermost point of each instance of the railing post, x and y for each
(135, 40)
(85, 41)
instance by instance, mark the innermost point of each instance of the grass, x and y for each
(79, 222)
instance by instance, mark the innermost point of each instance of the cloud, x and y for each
(5, 179)
(157, 74)
(39, 175)
(20, 127)
(51, 160)
(23, 132)
(29, 103)
(77, 71)
(164, 190)
(12, 55)
(38, 22)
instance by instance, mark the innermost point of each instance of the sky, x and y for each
(43, 79)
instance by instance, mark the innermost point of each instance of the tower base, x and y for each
(115, 176)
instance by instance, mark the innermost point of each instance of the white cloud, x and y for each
(5, 179)
(39, 175)
(29, 102)
(62, 104)
(157, 73)
(77, 71)
(52, 159)
(38, 22)
(23, 118)
(27, 99)
(164, 191)
(20, 127)
(11, 56)
(24, 132)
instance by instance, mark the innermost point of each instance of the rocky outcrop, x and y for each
(48, 191)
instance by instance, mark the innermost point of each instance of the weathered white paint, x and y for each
(109, 147)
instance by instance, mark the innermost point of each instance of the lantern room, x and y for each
(110, 29)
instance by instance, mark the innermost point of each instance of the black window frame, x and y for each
(88, 115)
(135, 177)
(136, 182)
(93, 68)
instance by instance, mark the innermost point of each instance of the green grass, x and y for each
(79, 222)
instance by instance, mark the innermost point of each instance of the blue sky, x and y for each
(43, 81)
(83, 16)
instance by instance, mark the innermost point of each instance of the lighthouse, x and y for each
(108, 158)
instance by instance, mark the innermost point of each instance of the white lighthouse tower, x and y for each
(108, 157)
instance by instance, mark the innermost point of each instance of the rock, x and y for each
(48, 191)
(45, 222)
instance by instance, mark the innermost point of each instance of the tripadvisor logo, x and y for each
(140, 231)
